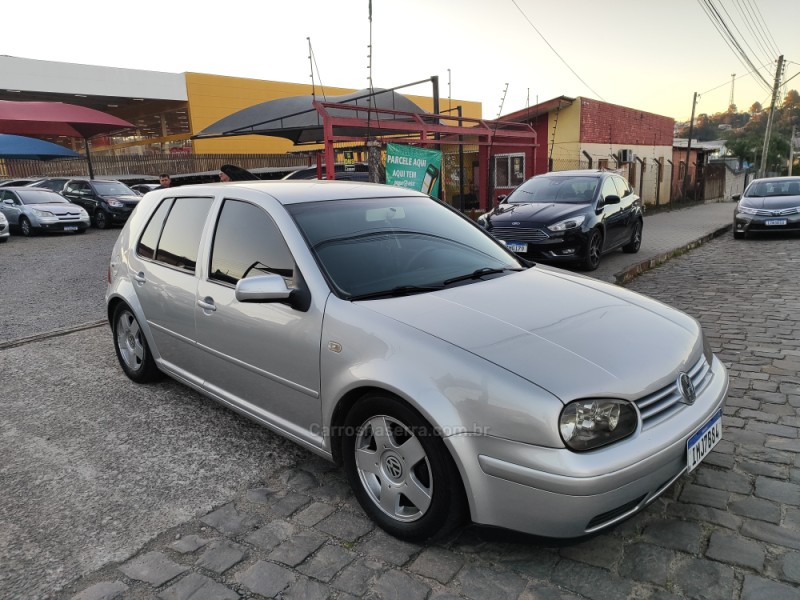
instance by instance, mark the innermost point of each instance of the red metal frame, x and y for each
(427, 130)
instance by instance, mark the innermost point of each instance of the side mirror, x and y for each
(613, 199)
(8, 202)
(501, 199)
(736, 197)
(264, 288)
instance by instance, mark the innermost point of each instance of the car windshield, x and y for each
(762, 189)
(560, 190)
(397, 246)
(40, 197)
(113, 188)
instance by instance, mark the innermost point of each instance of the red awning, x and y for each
(56, 118)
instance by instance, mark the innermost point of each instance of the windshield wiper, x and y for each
(478, 273)
(402, 290)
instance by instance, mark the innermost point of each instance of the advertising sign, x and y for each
(413, 168)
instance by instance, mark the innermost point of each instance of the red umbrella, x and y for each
(58, 118)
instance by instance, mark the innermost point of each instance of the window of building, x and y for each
(509, 170)
(247, 243)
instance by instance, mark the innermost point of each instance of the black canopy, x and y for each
(296, 119)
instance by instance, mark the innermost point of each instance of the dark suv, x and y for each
(107, 201)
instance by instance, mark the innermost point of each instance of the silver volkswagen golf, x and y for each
(451, 379)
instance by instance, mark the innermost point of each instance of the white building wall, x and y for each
(66, 78)
(646, 183)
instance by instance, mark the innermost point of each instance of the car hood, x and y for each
(574, 336)
(538, 212)
(58, 209)
(771, 202)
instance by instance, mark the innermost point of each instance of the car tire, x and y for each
(400, 471)
(131, 347)
(101, 219)
(738, 235)
(633, 246)
(3, 240)
(594, 249)
(25, 227)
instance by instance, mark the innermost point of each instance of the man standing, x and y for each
(165, 181)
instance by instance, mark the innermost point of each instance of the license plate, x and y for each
(70, 228)
(701, 443)
(775, 222)
(517, 246)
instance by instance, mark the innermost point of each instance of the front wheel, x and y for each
(594, 249)
(25, 227)
(633, 246)
(101, 220)
(131, 347)
(400, 470)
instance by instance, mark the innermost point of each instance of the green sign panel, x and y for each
(414, 168)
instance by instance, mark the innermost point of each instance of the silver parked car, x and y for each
(4, 228)
(385, 331)
(33, 209)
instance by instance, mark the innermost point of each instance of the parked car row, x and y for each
(65, 204)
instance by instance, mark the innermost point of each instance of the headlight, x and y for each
(589, 424)
(42, 213)
(83, 213)
(571, 223)
(115, 203)
(482, 221)
(746, 210)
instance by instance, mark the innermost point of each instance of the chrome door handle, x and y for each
(207, 304)
(139, 277)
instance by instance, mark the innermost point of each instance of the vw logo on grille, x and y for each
(686, 388)
(776, 213)
(515, 222)
(393, 467)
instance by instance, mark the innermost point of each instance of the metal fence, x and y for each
(150, 166)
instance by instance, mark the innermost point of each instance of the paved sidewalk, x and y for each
(667, 234)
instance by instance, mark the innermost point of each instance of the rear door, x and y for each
(164, 268)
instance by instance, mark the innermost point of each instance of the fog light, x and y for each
(567, 251)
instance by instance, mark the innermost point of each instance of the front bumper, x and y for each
(554, 492)
(119, 215)
(743, 223)
(55, 224)
(567, 246)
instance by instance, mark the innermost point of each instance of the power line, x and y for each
(749, 19)
(768, 55)
(760, 21)
(554, 50)
(728, 37)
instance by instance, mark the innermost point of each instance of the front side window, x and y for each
(247, 243)
(622, 187)
(179, 243)
(609, 189)
(509, 170)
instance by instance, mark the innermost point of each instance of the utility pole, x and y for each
(791, 150)
(730, 100)
(762, 169)
(689, 149)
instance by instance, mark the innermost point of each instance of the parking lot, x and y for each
(109, 489)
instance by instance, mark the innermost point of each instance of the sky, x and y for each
(507, 54)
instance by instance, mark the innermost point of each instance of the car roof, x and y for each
(573, 172)
(297, 191)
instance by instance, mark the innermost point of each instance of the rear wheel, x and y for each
(594, 249)
(131, 347)
(25, 227)
(633, 246)
(400, 470)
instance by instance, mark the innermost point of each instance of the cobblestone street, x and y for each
(730, 530)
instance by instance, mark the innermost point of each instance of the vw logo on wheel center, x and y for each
(393, 466)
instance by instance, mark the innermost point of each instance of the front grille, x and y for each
(765, 212)
(69, 217)
(518, 234)
(664, 402)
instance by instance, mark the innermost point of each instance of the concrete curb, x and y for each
(630, 273)
(51, 334)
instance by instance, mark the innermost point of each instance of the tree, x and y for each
(791, 100)
(756, 108)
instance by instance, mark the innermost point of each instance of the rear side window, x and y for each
(149, 240)
(247, 243)
(179, 242)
